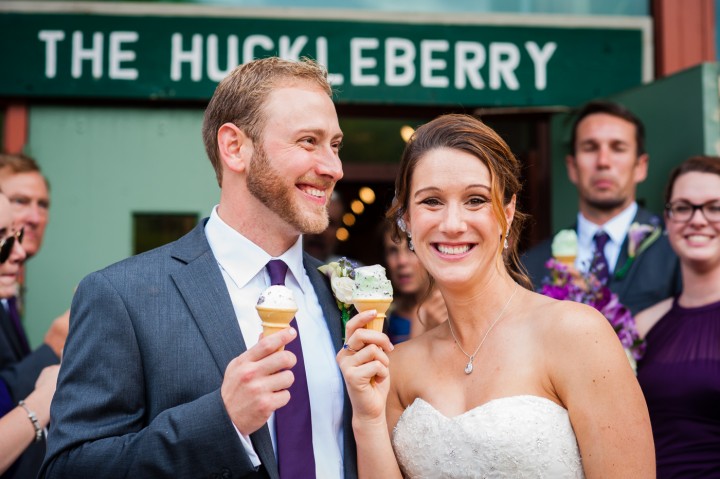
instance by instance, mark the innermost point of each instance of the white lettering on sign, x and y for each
(393, 62)
(51, 39)
(504, 59)
(291, 49)
(321, 48)
(469, 59)
(254, 41)
(500, 61)
(178, 56)
(94, 54)
(358, 62)
(253, 46)
(399, 62)
(213, 57)
(540, 57)
(118, 55)
(428, 64)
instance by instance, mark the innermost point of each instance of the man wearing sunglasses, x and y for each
(28, 191)
(27, 409)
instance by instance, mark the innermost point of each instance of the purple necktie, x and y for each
(293, 424)
(15, 318)
(600, 265)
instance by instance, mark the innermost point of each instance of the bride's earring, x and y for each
(506, 241)
(411, 246)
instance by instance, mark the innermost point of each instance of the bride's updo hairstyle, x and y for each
(468, 134)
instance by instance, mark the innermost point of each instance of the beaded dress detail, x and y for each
(512, 437)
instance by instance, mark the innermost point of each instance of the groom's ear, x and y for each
(235, 148)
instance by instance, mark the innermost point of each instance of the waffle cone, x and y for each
(566, 260)
(380, 305)
(275, 320)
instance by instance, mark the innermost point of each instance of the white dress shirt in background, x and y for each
(617, 229)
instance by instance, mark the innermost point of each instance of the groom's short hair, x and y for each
(239, 98)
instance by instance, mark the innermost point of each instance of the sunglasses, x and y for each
(8, 243)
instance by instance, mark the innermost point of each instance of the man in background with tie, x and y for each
(606, 163)
(165, 373)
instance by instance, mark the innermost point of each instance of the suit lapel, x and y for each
(333, 318)
(329, 306)
(619, 285)
(203, 288)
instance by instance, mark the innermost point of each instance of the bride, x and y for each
(514, 384)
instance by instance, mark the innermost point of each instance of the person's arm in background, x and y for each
(57, 333)
(17, 431)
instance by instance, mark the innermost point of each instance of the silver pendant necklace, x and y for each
(471, 357)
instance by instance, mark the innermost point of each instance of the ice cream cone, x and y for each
(275, 319)
(566, 260)
(380, 305)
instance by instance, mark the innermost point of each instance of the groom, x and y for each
(165, 373)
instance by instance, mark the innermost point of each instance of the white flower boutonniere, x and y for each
(342, 279)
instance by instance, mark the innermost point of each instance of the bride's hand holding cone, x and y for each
(364, 363)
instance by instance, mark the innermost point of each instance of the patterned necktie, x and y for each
(14, 315)
(600, 265)
(293, 424)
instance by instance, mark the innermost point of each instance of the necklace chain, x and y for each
(471, 357)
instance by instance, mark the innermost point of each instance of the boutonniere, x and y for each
(640, 237)
(342, 280)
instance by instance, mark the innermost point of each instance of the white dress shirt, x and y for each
(617, 229)
(242, 263)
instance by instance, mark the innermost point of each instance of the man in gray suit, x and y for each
(165, 373)
(607, 162)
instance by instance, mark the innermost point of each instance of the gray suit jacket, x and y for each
(653, 276)
(139, 388)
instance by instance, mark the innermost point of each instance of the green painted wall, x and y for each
(682, 118)
(103, 165)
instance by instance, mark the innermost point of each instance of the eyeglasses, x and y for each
(681, 211)
(8, 243)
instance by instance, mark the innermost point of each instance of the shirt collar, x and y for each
(616, 228)
(242, 259)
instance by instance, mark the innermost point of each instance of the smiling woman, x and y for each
(680, 372)
(513, 383)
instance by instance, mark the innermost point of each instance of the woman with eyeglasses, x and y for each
(680, 372)
(21, 423)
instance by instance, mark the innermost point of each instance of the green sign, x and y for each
(158, 57)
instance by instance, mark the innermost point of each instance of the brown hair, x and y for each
(612, 109)
(468, 134)
(700, 164)
(240, 97)
(19, 163)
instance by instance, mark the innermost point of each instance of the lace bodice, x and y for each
(512, 437)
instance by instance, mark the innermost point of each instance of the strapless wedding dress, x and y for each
(511, 437)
